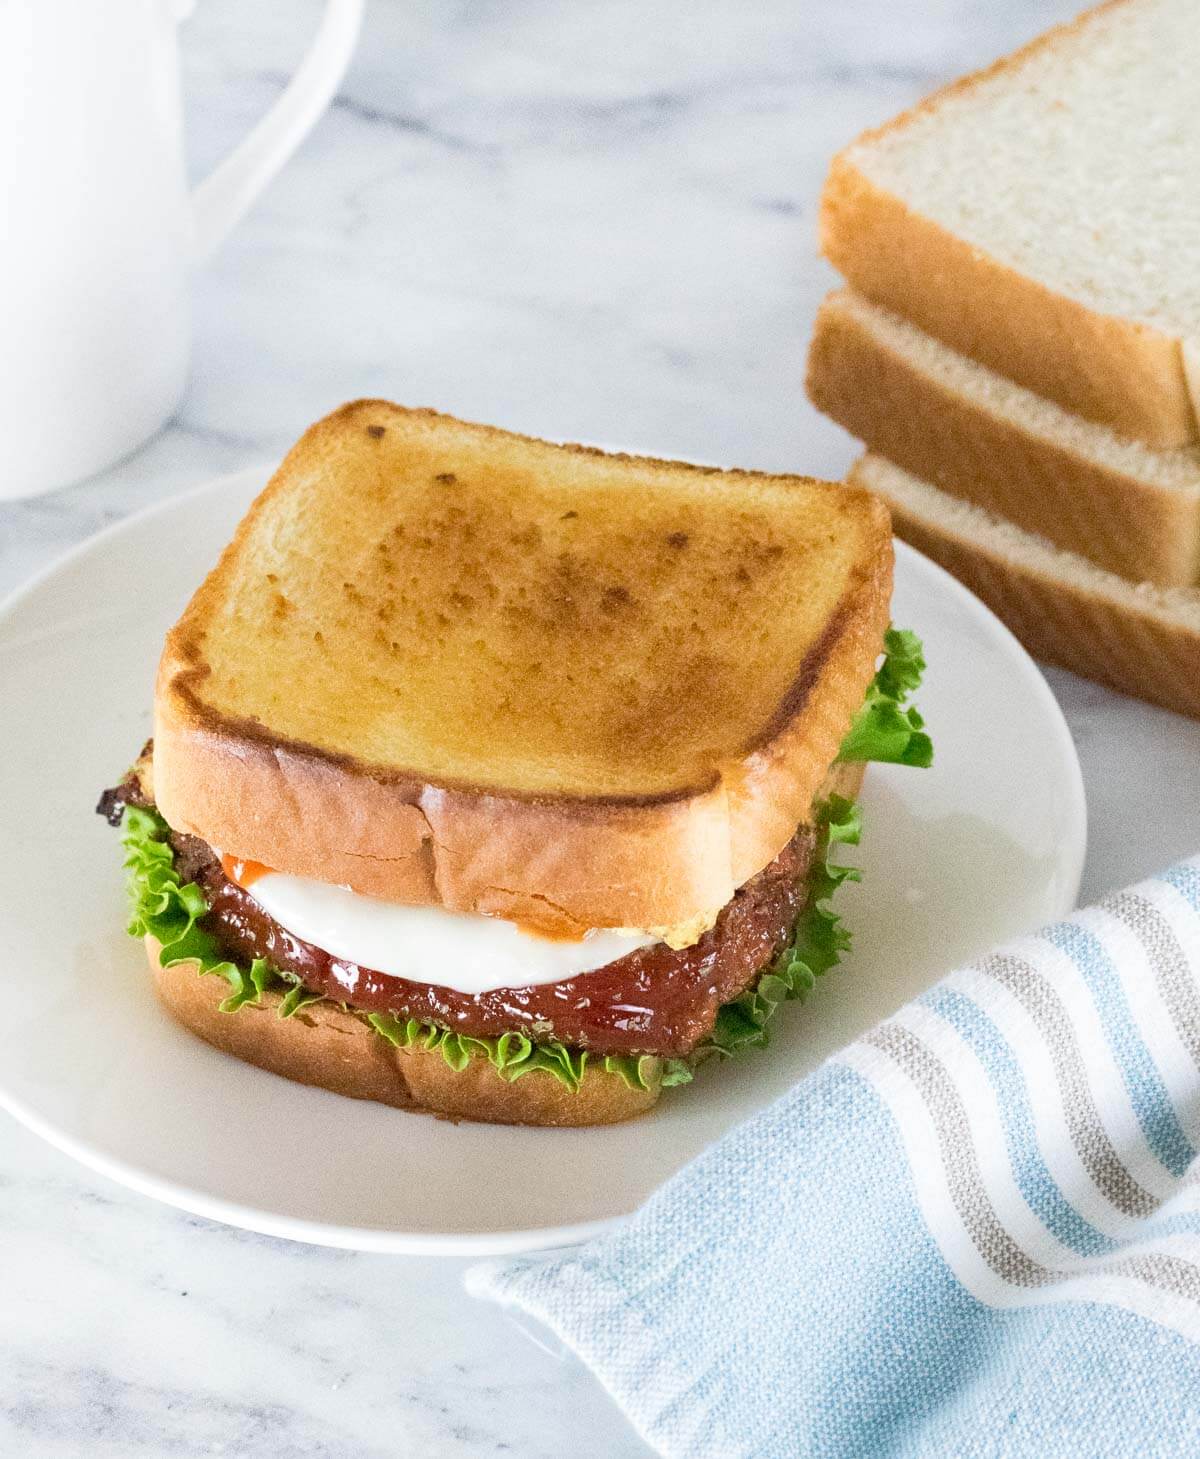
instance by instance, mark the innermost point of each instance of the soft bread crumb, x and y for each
(1130, 508)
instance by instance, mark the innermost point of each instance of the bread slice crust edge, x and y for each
(1105, 631)
(1141, 530)
(324, 1046)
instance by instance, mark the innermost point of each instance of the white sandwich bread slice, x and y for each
(1042, 216)
(1140, 639)
(1129, 507)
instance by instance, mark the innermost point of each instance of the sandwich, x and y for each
(504, 780)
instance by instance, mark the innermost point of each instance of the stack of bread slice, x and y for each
(1020, 345)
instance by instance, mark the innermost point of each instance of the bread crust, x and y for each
(1141, 530)
(1138, 652)
(1125, 373)
(568, 862)
(325, 1046)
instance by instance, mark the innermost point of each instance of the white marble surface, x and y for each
(589, 221)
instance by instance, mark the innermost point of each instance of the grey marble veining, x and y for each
(128, 1329)
(591, 221)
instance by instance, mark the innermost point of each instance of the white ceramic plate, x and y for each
(988, 843)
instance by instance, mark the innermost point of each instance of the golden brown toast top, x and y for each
(434, 601)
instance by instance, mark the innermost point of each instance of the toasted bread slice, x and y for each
(1041, 217)
(445, 664)
(1137, 638)
(1129, 507)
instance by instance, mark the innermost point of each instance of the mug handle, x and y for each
(220, 201)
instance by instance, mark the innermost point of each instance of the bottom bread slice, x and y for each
(326, 1046)
(1135, 637)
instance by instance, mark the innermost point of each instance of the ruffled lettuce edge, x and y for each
(887, 728)
(819, 940)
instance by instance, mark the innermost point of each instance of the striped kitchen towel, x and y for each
(974, 1232)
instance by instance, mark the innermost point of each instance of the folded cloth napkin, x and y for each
(976, 1231)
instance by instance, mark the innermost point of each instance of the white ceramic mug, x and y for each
(98, 233)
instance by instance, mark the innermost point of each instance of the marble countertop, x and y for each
(592, 222)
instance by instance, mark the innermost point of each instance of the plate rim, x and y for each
(387, 1241)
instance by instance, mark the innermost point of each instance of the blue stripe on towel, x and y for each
(1185, 878)
(1147, 1092)
(1012, 1094)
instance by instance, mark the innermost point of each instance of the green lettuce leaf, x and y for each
(296, 998)
(883, 729)
(513, 1055)
(161, 905)
(817, 943)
